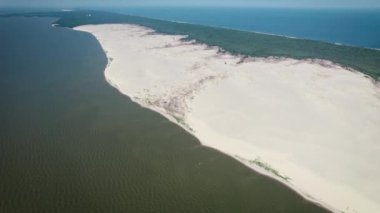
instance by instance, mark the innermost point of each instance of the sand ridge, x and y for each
(309, 123)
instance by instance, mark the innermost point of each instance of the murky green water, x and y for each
(69, 142)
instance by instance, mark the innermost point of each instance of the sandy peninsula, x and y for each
(310, 124)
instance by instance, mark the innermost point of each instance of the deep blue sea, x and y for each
(357, 27)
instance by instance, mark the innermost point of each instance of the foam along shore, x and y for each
(311, 124)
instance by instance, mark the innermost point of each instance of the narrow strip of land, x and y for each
(308, 123)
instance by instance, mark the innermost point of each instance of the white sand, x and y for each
(312, 121)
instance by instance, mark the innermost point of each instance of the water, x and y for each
(69, 142)
(359, 27)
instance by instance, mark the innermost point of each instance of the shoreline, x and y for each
(198, 88)
(257, 32)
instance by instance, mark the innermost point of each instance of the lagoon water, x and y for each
(357, 27)
(69, 142)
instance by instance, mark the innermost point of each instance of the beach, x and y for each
(311, 124)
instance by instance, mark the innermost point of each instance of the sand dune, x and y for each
(309, 123)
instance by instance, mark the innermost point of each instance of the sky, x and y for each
(225, 3)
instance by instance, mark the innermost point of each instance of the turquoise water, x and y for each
(359, 27)
(69, 142)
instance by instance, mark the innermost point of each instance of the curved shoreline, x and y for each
(245, 162)
(162, 111)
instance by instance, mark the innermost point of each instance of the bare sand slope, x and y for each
(311, 124)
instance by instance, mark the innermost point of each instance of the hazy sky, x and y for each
(253, 3)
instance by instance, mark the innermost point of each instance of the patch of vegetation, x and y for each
(181, 121)
(148, 101)
(266, 166)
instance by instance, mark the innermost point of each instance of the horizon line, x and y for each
(185, 6)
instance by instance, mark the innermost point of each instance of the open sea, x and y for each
(69, 142)
(356, 27)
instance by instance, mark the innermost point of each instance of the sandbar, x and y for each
(311, 124)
